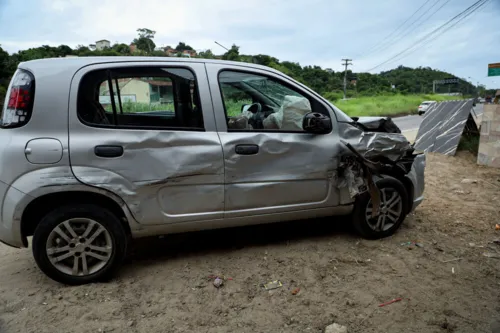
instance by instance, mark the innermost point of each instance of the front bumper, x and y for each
(417, 178)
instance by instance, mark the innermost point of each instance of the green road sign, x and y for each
(494, 69)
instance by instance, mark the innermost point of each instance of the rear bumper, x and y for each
(417, 177)
(10, 224)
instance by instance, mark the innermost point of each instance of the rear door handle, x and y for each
(247, 149)
(108, 151)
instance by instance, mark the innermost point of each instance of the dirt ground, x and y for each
(448, 285)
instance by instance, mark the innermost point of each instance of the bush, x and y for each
(3, 91)
(333, 95)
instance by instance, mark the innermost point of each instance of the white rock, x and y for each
(335, 328)
(469, 181)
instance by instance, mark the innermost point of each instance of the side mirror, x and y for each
(317, 123)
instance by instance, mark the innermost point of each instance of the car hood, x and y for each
(376, 124)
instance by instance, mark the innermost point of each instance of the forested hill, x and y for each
(325, 81)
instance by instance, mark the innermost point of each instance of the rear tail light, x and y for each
(18, 105)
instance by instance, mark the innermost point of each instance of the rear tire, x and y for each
(79, 244)
(393, 208)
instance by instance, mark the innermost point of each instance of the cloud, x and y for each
(313, 32)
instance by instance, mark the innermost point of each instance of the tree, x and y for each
(82, 48)
(146, 33)
(232, 54)
(6, 69)
(144, 41)
(183, 47)
(64, 50)
(206, 54)
(121, 48)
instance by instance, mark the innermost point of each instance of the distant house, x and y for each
(189, 53)
(140, 90)
(102, 44)
(185, 53)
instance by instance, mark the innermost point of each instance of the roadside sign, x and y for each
(494, 69)
(450, 80)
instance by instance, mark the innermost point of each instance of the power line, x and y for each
(405, 31)
(444, 31)
(393, 32)
(466, 12)
(398, 38)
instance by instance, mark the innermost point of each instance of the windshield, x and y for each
(271, 89)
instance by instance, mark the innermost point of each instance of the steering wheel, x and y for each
(257, 119)
(255, 108)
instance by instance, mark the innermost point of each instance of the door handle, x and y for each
(108, 151)
(247, 149)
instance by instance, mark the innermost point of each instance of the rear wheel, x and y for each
(392, 212)
(78, 244)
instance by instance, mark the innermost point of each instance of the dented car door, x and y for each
(271, 164)
(154, 144)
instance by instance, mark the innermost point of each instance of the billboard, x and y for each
(494, 69)
(450, 80)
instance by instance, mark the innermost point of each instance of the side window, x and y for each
(141, 97)
(259, 103)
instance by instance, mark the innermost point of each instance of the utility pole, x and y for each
(346, 62)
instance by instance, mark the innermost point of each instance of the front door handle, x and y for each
(108, 151)
(247, 149)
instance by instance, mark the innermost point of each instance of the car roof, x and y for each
(76, 63)
(68, 66)
(428, 102)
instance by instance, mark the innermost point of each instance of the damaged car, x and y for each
(98, 151)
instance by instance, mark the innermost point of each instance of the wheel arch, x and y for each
(408, 187)
(41, 206)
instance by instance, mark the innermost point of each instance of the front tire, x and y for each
(79, 244)
(393, 209)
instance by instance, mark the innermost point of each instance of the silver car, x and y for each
(96, 151)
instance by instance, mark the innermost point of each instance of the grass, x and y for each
(469, 143)
(134, 107)
(233, 107)
(389, 105)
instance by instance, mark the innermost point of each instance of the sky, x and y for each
(310, 32)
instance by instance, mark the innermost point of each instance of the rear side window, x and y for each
(18, 106)
(141, 97)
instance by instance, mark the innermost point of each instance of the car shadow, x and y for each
(225, 240)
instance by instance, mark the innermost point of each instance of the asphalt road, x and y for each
(409, 123)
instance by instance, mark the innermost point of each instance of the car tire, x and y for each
(394, 199)
(86, 236)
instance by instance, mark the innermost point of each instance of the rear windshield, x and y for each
(18, 105)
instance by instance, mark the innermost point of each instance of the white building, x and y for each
(102, 44)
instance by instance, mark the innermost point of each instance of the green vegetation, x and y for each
(385, 92)
(134, 107)
(233, 107)
(469, 143)
(386, 105)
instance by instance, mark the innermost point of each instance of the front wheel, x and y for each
(80, 243)
(392, 212)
